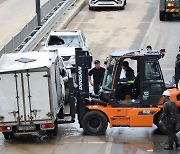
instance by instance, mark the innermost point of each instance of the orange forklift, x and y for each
(141, 107)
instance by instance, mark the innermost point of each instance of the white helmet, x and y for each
(166, 93)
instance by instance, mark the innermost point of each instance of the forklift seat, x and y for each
(99, 102)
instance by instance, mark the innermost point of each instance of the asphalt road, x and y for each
(14, 15)
(108, 30)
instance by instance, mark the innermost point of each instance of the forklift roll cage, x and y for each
(148, 85)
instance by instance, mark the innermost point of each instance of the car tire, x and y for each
(91, 8)
(94, 123)
(121, 8)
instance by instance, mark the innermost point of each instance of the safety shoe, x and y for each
(169, 147)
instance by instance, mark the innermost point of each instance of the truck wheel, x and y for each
(94, 123)
(12, 136)
(125, 2)
(162, 15)
(48, 132)
(6, 136)
(55, 130)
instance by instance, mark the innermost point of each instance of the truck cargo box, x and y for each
(31, 92)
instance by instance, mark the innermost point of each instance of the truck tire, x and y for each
(12, 136)
(55, 130)
(125, 2)
(94, 123)
(48, 132)
(6, 136)
(162, 15)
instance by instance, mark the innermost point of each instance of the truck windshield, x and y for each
(109, 74)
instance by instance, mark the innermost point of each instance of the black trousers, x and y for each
(96, 89)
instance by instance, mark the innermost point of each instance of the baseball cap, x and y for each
(166, 93)
(96, 62)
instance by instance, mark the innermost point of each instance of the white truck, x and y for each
(119, 4)
(31, 93)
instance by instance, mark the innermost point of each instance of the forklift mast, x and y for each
(83, 63)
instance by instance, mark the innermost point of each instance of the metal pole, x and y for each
(38, 12)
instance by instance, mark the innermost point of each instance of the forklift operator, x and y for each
(125, 87)
(129, 73)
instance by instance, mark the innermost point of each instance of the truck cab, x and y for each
(167, 8)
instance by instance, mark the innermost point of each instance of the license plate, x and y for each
(28, 127)
(105, 3)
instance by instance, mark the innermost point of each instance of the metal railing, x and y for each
(31, 34)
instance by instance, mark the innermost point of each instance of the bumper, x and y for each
(105, 3)
(172, 10)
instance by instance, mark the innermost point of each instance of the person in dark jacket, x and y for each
(129, 72)
(98, 74)
(170, 120)
(124, 89)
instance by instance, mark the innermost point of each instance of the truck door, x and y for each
(35, 99)
(24, 96)
(152, 82)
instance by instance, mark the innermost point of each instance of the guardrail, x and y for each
(31, 34)
(49, 20)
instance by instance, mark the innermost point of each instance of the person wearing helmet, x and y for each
(170, 120)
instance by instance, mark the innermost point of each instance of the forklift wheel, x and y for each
(94, 123)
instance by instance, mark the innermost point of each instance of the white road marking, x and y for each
(109, 146)
(143, 43)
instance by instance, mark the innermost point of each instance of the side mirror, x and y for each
(43, 43)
